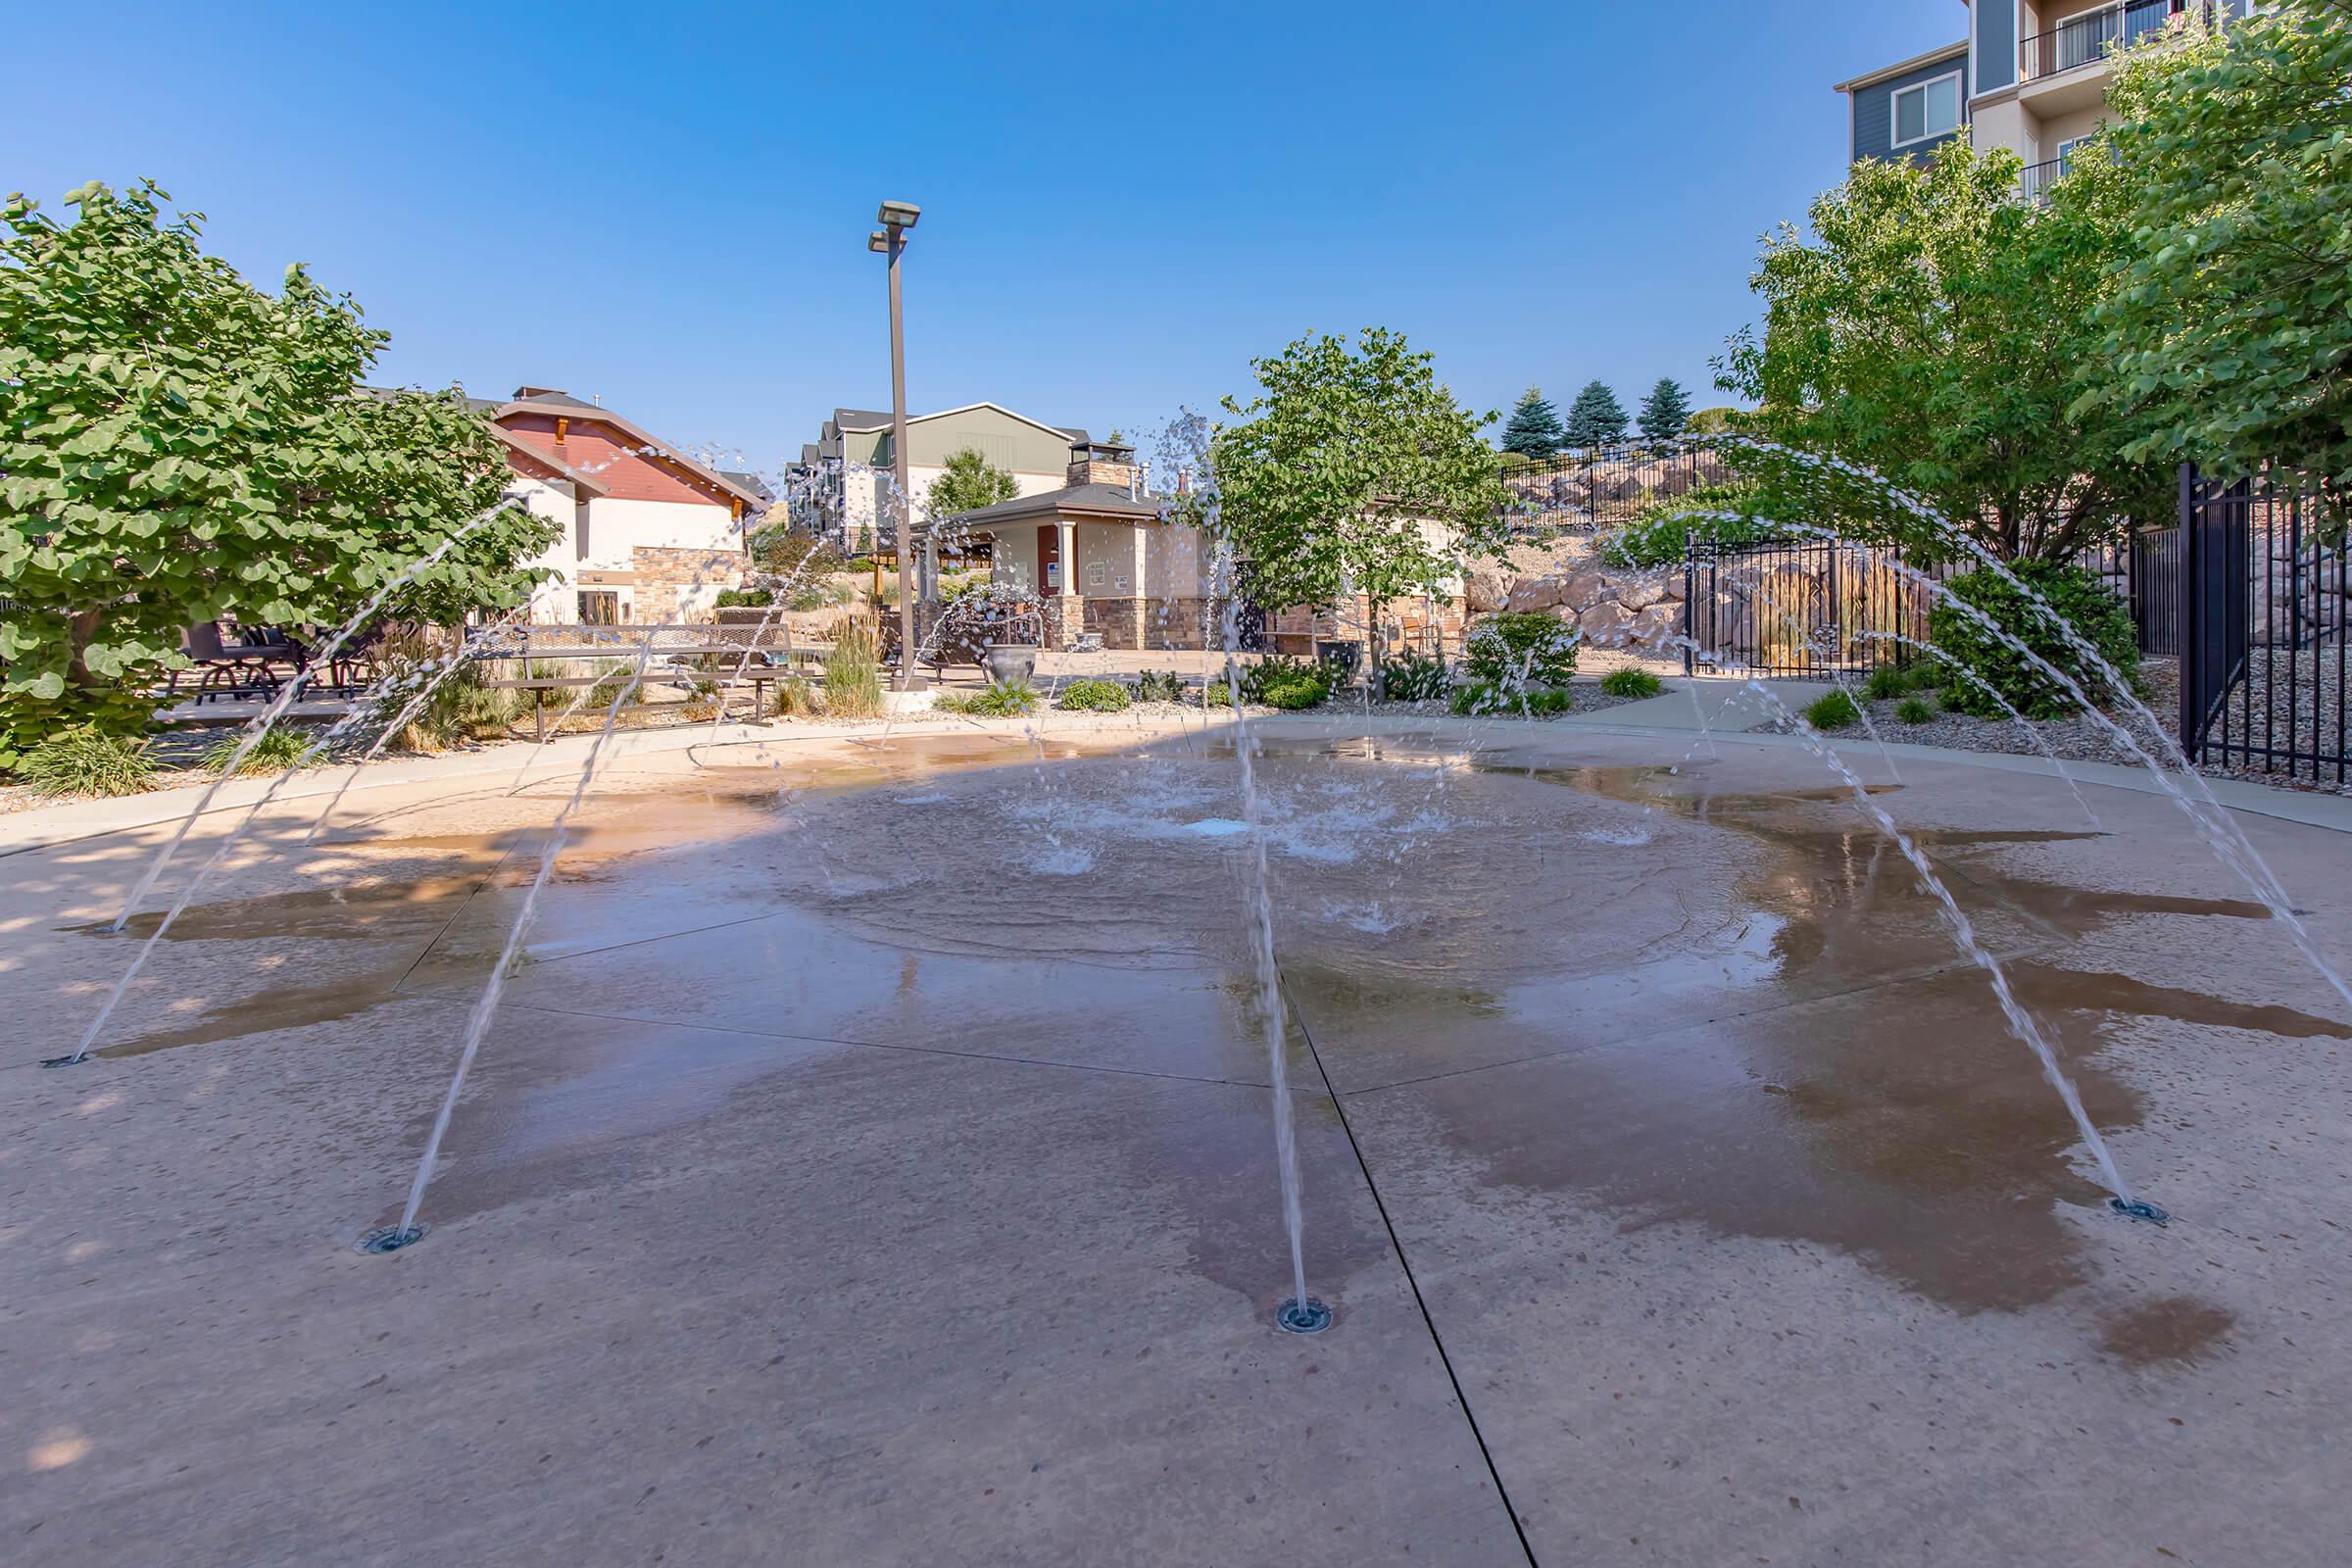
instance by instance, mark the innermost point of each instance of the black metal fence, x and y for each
(1817, 608)
(2263, 587)
(1799, 609)
(1612, 485)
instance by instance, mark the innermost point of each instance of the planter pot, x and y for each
(1341, 655)
(1010, 663)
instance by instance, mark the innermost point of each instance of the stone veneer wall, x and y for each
(663, 574)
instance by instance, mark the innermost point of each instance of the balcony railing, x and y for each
(2037, 178)
(2090, 39)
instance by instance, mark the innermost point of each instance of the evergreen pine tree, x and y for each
(1534, 429)
(1666, 411)
(1596, 418)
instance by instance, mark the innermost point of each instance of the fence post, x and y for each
(2192, 733)
(1689, 598)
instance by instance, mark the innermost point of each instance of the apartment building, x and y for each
(2028, 78)
(854, 450)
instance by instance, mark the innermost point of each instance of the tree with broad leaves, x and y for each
(1534, 428)
(968, 482)
(1937, 331)
(1355, 472)
(1596, 418)
(176, 447)
(2229, 333)
(1666, 413)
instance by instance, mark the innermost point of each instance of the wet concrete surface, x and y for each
(871, 1162)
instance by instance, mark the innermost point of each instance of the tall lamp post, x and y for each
(896, 218)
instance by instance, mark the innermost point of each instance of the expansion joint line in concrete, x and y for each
(1420, 1303)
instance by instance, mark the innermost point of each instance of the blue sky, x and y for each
(666, 205)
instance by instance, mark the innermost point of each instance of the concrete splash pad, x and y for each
(871, 1164)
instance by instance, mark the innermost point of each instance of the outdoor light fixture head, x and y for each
(877, 241)
(898, 214)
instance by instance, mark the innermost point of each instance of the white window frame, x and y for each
(1894, 113)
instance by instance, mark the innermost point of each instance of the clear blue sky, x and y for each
(668, 203)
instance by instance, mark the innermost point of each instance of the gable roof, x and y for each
(1089, 500)
(571, 407)
(518, 447)
(864, 421)
(1932, 56)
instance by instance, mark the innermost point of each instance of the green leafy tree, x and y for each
(1534, 429)
(969, 482)
(176, 446)
(1938, 330)
(1596, 418)
(2230, 333)
(1666, 411)
(1355, 472)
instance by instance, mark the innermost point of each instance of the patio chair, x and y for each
(228, 669)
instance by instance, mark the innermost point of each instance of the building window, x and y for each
(1930, 109)
(601, 608)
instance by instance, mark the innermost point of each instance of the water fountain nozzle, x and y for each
(391, 1239)
(2138, 1208)
(1312, 1318)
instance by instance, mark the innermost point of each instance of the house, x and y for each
(854, 455)
(650, 534)
(1105, 556)
(2030, 77)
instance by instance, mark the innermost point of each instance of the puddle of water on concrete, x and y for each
(2173, 1330)
(279, 1007)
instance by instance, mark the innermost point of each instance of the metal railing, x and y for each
(2037, 178)
(1611, 485)
(2091, 38)
(2266, 658)
(1816, 606)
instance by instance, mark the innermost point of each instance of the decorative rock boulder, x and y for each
(1535, 593)
(1655, 626)
(1604, 624)
(1484, 592)
(1642, 592)
(1583, 591)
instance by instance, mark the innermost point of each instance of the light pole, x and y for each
(896, 218)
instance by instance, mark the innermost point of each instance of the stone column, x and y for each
(930, 569)
(1073, 605)
(1140, 588)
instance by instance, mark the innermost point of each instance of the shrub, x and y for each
(1413, 678)
(274, 753)
(1160, 686)
(87, 761)
(1003, 700)
(1914, 712)
(1299, 692)
(1520, 650)
(1277, 670)
(1632, 682)
(1831, 711)
(462, 706)
(1886, 682)
(743, 599)
(1660, 533)
(852, 674)
(795, 698)
(1484, 698)
(1093, 697)
(2097, 615)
